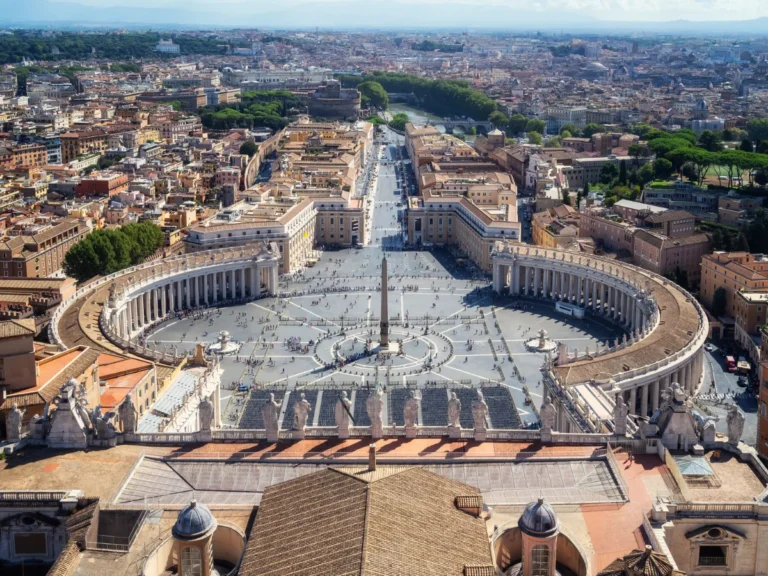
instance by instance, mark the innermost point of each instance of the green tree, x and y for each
(727, 135)
(762, 147)
(717, 239)
(746, 145)
(757, 232)
(570, 128)
(757, 128)
(719, 301)
(566, 134)
(635, 150)
(374, 93)
(566, 197)
(586, 189)
(646, 174)
(399, 121)
(553, 142)
(517, 124)
(498, 119)
(662, 168)
(608, 173)
(710, 141)
(742, 244)
(592, 129)
(622, 172)
(249, 147)
(534, 138)
(536, 125)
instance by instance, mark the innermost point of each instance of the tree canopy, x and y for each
(106, 251)
(442, 97)
(269, 108)
(374, 93)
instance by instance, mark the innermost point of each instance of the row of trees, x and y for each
(442, 97)
(106, 251)
(694, 158)
(269, 108)
(121, 46)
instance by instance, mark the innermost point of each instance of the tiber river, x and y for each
(418, 116)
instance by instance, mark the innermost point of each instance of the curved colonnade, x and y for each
(142, 296)
(666, 330)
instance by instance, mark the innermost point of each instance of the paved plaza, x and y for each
(318, 338)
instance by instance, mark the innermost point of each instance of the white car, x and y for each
(710, 347)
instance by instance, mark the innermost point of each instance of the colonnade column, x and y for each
(205, 288)
(140, 322)
(633, 401)
(180, 294)
(644, 401)
(594, 295)
(255, 282)
(655, 396)
(163, 302)
(242, 283)
(171, 298)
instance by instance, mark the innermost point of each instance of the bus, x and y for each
(570, 310)
(730, 363)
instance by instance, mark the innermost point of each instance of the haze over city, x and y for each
(674, 16)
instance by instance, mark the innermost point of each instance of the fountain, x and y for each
(224, 344)
(541, 344)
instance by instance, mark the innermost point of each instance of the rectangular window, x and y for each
(30, 544)
(713, 555)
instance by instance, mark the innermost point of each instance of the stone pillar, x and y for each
(205, 288)
(180, 294)
(644, 401)
(536, 287)
(214, 287)
(274, 280)
(632, 401)
(242, 283)
(172, 298)
(256, 281)
(140, 298)
(232, 285)
(570, 287)
(654, 396)
(163, 302)
(217, 405)
(594, 295)
(561, 292)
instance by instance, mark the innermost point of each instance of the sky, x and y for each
(670, 16)
(605, 10)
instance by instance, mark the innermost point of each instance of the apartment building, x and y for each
(659, 240)
(448, 218)
(13, 156)
(734, 272)
(40, 253)
(556, 227)
(75, 144)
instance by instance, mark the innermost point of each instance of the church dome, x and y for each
(702, 105)
(539, 520)
(193, 522)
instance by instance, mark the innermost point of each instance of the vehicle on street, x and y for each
(730, 363)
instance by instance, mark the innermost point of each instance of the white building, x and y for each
(168, 47)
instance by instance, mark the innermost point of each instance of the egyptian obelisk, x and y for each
(384, 324)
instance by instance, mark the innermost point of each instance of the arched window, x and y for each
(540, 561)
(191, 562)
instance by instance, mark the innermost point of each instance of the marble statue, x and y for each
(411, 410)
(620, 412)
(708, 432)
(127, 412)
(13, 423)
(678, 394)
(301, 409)
(547, 415)
(32, 427)
(735, 420)
(270, 413)
(105, 429)
(205, 411)
(373, 407)
(479, 412)
(95, 415)
(454, 411)
(343, 410)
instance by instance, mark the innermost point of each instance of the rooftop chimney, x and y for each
(372, 458)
